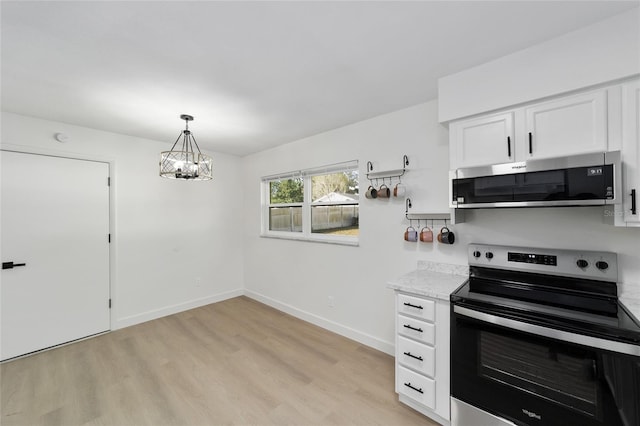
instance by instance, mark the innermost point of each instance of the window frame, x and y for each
(307, 204)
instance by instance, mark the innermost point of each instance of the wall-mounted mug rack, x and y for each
(387, 174)
(445, 217)
(445, 236)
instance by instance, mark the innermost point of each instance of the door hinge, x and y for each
(109, 303)
(109, 237)
(109, 181)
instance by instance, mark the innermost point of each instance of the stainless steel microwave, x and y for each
(580, 180)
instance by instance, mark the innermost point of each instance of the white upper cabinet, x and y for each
(570, 125)
(631, 151)
(484, 140)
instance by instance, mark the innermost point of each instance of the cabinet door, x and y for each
(482, 141)
(630, 149)
(571, 125)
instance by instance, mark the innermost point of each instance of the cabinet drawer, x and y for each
(416, 306)
(417, 387)
(416, 329)
(416, 355)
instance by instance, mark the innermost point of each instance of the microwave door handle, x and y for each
(579, 339)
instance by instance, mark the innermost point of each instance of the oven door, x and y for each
(514, 370)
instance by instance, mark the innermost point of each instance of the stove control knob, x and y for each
(489, 255)
(602, 265)
(582, 263)
(476, 254)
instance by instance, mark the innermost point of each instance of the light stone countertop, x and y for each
(431, 279)
(439, 280)
(629, 295)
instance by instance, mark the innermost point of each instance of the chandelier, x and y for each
(186, 164)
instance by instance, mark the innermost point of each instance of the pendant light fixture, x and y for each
(186, 164)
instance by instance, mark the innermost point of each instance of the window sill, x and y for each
(341, 241)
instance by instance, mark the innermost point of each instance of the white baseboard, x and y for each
(174, 309)
(358, 336)
(340, 329)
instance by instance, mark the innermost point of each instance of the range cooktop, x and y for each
(571, 290)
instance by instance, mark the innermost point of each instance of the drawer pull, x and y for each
(419, 358)
(414, 388)
(412, 306)
(413, 328)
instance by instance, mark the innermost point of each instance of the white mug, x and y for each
(399, 190)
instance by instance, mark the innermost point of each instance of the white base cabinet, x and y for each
(422, 355)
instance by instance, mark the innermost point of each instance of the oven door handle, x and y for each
(579, 339)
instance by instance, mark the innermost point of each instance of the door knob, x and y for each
(11, 265)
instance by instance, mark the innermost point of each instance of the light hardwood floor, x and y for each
(236, 362)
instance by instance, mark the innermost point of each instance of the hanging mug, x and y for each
(371, 193)
(411, 234)
(426, 235)
(384, 191)
(399, 190)
(445, 236)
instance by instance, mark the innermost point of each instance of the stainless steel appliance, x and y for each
(539, 337)
(581, 180)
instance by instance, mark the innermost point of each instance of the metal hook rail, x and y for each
(446, 217)
(387, 174)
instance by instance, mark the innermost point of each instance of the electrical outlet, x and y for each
(331, 301)
(198, 281)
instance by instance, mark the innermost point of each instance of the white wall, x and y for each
(298, 276)
(165, 233)
(605, 51)
(157, 251)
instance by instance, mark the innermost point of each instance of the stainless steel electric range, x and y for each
(538, 337)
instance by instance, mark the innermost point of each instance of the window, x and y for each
(317, 204)
(285, 204)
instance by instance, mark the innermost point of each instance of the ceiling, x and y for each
(255, 74)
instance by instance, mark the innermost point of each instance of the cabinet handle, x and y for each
(413, 328)
(11, 265)
(419, 358)
(530, 143)
(509, 146)
(414, 388)
(412, 306)
(633, 201)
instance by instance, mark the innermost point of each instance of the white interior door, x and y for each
(55, 220)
